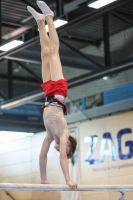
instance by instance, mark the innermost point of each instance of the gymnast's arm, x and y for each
(43, 157)
(57, 143)
(64, 159)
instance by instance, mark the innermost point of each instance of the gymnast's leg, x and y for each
(55, 63)
(45, 44)
(45, 49)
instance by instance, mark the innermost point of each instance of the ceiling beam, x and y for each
(27, 56)
(10, 24)
(26, 44)
(80, 39)
(85, 14)
(2, 95)
(19, 79)
(96, 65)
(30, 4)
(21, 58)
(29, 71)
(128, 21)
(89, 77)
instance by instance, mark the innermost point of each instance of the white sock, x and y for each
(35, 14)
(44, 8)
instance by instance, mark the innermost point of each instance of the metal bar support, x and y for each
(123, 196)
(7, 193)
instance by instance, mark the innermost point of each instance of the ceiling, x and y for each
(92, 42)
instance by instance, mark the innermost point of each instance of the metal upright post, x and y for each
(0, 24)
(60, 7)
(10, 79)
(106, 40)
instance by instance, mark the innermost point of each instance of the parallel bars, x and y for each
(57, 187)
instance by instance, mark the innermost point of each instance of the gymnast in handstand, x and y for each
(55, 89)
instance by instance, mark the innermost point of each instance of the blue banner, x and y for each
(118, 94)
(24, 110)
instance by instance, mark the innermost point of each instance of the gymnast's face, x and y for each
(68, 147)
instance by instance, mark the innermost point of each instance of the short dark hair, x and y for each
(73, 146)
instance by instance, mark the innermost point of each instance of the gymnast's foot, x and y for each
(35, 14)
(44, 8)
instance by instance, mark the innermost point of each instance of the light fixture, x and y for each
(57, 23)
(106, 78)
(11, 45)
(6, 136)
(100, 3)
(17, 69)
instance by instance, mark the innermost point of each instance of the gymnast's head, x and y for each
(71, 146)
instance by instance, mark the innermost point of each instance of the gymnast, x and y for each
(55, 89)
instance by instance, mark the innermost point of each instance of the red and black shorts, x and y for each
(59, 87)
